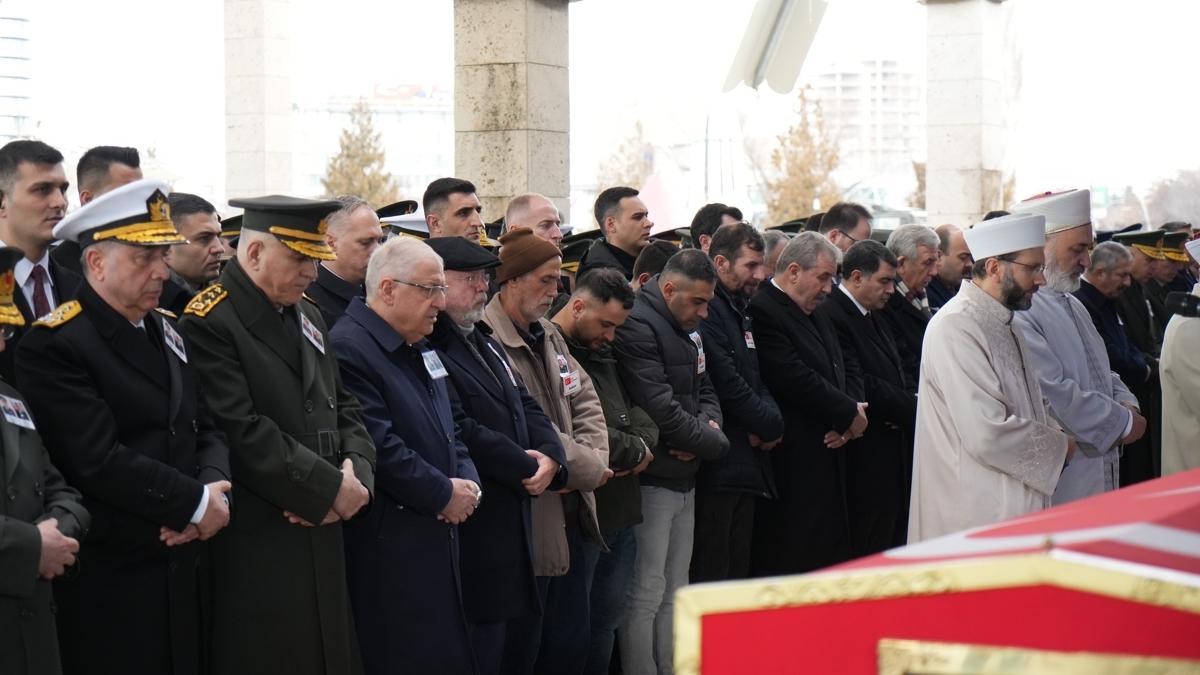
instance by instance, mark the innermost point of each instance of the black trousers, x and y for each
(724, 530)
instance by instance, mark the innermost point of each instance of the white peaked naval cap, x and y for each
(1007, 234)
(136, 213)
(1063, 210)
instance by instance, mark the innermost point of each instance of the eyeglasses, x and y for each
(1036, 269)
(475, 279)
(429, 290)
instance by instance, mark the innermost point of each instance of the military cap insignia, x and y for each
(205, 300)
(61, 314)
(166, 312)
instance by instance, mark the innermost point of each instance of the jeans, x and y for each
(664, 551)
(610, 585)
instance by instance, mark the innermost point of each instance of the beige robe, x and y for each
(1180, 372)
(986, 449)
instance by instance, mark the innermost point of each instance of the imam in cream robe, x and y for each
(1084, 394)
(1180, 369)
(986, 449)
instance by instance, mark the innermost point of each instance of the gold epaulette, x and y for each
(166, 312)
(205, 300)
(61, 314)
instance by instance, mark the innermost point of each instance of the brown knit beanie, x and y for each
(523, 251)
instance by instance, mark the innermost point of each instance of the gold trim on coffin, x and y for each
(694, 602)
(914, 657)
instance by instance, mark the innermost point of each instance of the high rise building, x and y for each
(15, 73)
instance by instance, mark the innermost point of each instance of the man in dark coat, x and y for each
(878, 465)
(41, 523)
(353, 232)
(954, 265)
(1143, 327)
(197, 263)
(600, 305)
(1099, 288)
(625, 224)
(727, 488)
(661, 359)
(514, 448)
(908, 310)
(34, 189)
(403, 556)
(302, 460)
(111, 382)
(807, 527)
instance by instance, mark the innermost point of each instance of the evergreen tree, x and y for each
(357, 168)
(803, 165)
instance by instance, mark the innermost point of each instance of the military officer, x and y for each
(110, 381)
(301, 458)
(41, 522)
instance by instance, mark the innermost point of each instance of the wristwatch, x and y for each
(478, 492)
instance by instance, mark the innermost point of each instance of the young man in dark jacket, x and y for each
(728, 488)
(598, 307)
(662, 362)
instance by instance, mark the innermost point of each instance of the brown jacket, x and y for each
(579, 420)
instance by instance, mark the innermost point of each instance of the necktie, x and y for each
(41, 302)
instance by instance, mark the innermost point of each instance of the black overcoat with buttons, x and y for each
(32, 490)
(280, 600)
(807, 527)
(123, 419)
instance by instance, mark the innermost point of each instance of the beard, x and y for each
(1063, 281)
(1013, 296)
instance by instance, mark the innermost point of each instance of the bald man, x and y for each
(535, 212)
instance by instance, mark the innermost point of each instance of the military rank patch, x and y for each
(61, 314)
(166, 312)
(205, 300)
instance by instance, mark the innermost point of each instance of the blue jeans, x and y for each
(609, 586)
(664, 552)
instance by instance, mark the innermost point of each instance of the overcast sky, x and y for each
(1108, 90)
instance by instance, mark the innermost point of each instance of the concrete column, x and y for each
(966, 109)
(258, 98)
(511, 107)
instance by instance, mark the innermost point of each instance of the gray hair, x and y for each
(806, 250)
(907, 239)
(1108, 255)
(394, 258)
(518, 209)
(350, 204)
(772, 240)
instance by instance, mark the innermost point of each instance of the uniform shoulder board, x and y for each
(166, 312)
(61, 314)
(205, 300)
(1184, 304)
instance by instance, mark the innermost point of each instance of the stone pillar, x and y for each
(258, 98)
(511, 107)
(966, 109)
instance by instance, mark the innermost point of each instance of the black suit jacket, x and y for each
(333, 294)
(879, 465)
(124, 420)
(907, 325)
(801, 363)
(66, 285)
(498, 420)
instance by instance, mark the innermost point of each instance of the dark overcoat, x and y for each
(124, 420)
(33, 491)
(403, 562)
(280, 601)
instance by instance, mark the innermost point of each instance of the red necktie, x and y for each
(41, 303)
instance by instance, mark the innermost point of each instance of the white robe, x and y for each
(986, 449)
(1084, 393)
(1180, 372)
